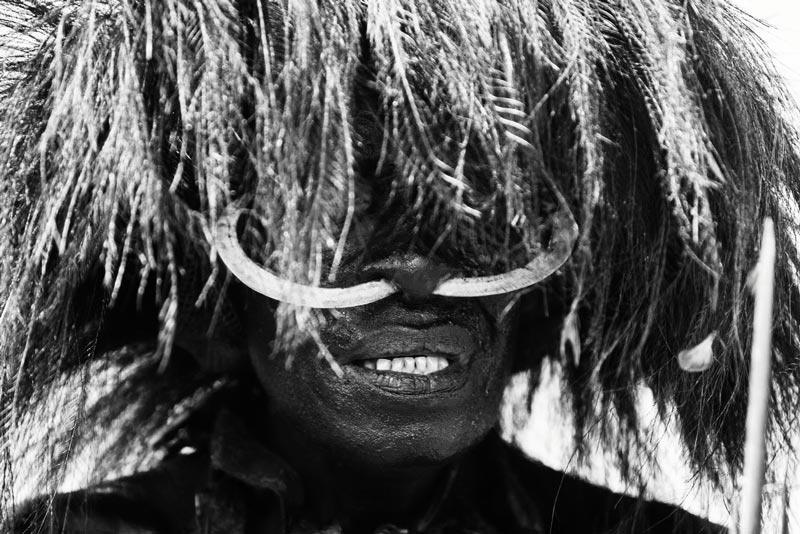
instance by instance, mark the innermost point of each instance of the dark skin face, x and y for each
(422, 377)
(372, 443)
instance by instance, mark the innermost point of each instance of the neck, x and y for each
(360, 497)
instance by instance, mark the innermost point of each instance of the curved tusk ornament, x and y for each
(565, 233)
(263, 281)
(266, 283)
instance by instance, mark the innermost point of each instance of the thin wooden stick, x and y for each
(759, 390)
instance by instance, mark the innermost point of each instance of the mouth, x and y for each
(415, 365)
(406, 361)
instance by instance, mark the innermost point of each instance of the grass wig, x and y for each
(127, 127)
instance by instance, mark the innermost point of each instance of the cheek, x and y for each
(276, 373)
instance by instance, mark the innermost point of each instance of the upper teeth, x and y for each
(419, 365)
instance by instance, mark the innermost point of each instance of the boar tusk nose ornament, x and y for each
(268, 284)
(261, 280)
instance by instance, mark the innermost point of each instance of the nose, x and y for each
(416, 276)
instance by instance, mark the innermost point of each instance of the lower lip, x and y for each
(448, 380)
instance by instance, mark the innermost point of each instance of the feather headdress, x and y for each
(127, 127)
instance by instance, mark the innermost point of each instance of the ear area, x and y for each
(541, 317)
(208, 326)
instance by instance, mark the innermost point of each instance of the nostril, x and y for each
(416, 276)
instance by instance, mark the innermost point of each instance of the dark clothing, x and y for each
(238, 486)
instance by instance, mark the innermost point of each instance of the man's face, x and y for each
(423, 376)
(422, 381)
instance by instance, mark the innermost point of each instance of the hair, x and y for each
(127, 127)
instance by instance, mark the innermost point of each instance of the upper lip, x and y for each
(449, 341)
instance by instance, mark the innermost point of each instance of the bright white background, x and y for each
(782, 34)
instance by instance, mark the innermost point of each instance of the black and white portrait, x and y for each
(311, 266)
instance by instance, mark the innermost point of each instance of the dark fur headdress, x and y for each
(126, 127)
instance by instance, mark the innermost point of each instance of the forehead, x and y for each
(380, 131)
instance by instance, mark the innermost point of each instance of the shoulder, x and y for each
(569, 504)
(161, 500)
